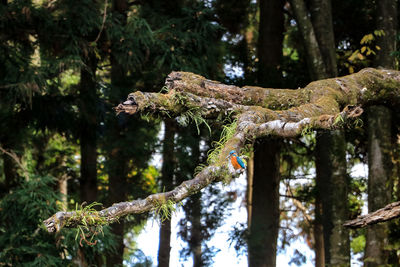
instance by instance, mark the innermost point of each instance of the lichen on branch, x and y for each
(257, 112)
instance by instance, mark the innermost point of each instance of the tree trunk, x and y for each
(332, 177)
(270, 43)
(63, 188)
(249, 190)
(379, 140)
(265, 210)
(167, 174)
(320, 46)
(315, 62)
(386, 21)
(10, 172)
(318, 232)
(196, 235)
(379, 166)
(264, 219)
(88, 127)
(117, 171)
(321, 16)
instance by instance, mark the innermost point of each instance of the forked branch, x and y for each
(258, 112)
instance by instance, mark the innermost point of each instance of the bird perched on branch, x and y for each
(236, 161)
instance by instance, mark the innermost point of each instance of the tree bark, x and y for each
(389, 212)
(167, 177)
(331, 177)
(249, 189)
(331, 212)
(315, 61)
(88, 127)
(331, 154)
(63, 188)
(117, 171)
(321, 17)
(10, 172)
(379, 174)
(164, 247)
(117, 163)
(196, 207)
(262, 244)
(379, 140)
(265, 210)
(270, 42)
(386, 21)
(318, 231)
(196, 236)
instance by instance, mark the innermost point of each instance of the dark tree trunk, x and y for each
(331, 210)
(380, 167)
(265, 210)
(318, 231)
(315, 61)
(321, 16)
(196, 236)
(249, 189)
(167, 174)
(331, 154)
(332, 177)
(270, 42)
(10, 172)
(117, 165)
(117, 161)
(379, 140)
(386, 21)
(88, 126)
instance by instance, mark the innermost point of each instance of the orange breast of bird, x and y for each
(235, 164)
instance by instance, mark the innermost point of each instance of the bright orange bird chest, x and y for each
(235, 163)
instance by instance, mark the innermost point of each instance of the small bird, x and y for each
(236, 161)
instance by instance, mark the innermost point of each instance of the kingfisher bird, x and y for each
(236, 161)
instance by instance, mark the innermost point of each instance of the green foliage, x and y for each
(367, 50)
(130, 42)
(23, 240)
(358, 244)
(308, 134)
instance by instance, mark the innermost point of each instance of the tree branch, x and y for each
(387, 213)
(258, 112)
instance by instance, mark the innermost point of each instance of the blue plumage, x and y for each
(236, 161)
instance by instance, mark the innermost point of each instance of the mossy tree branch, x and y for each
(324, 104)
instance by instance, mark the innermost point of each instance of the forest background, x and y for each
(65, 66)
